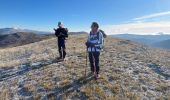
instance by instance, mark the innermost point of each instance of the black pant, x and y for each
(61, 48)
(94, 61)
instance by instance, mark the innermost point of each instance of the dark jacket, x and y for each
(61, 33)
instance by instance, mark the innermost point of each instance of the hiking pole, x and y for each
(86, 62)
(74, 53)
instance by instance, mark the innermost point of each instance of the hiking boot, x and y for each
(59, 58)
(66, 59)
(97, 76)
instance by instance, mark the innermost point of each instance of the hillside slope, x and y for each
(20, 38)
(128, 71)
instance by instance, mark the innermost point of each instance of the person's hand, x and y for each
(54, 29)
(92, 45)
(89, 44)
(86, 44)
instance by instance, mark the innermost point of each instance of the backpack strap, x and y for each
(98, 35)
(103, 33)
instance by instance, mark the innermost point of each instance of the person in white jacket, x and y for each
(94, 45)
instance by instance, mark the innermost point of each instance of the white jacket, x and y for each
(97, 40)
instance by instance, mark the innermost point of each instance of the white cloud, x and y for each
(138, 28)
(153, 15)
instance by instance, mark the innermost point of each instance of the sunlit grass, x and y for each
(117, 80)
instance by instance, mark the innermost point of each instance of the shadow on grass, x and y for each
(59, 92)
(7, 73)
(157, 69)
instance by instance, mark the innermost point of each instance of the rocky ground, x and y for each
(129, 71)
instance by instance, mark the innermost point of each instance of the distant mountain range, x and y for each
(159, 40)
(20, 38)
(163, 44)
(4, 31)
(10, 37)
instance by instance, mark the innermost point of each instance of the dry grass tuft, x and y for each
(5, 94)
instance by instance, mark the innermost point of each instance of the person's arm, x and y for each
(56, 32)
(88, 38)
(88, 41)
(54, 29)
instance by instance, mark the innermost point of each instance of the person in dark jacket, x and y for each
(94, 45)
(62, 34)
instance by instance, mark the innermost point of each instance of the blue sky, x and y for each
(114, 16)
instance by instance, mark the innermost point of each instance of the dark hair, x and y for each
(95, 24)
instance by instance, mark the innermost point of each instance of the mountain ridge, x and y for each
(20, 38)
(5, 31)
(163, 44)
(10, 37)
(150, 40)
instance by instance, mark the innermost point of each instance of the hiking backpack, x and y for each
(104, 34)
